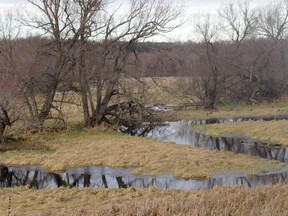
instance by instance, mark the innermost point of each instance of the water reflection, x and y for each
(105, 177)
(238, 119)
(180, 133)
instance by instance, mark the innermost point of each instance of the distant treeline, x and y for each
(83, 48)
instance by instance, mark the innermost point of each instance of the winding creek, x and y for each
(179, 132)
(105, 177)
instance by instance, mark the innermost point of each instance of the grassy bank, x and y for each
(264, 201)
(229, 110)
(78, 147)
(85, 147)
(269, 131)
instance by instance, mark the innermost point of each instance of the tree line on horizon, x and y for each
(241, 55)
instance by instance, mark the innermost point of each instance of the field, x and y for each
(264, 201)
(77, 146)
(80, 80)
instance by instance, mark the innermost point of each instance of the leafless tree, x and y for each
(273, 24)
(96, 45)
(237, 57)
(258, 71)
(9, 86)
(55, 56)
(106, 74)
(273, 20)
(208, 70)
(238, 22)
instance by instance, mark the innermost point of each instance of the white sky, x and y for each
(191, 8)
(193, 4)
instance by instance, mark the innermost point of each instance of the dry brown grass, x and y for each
(229, 110)
(163, 90)
(270, 131)
(85, 147)
(264, 200)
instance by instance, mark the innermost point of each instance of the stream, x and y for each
(105, 177)
(179, 132)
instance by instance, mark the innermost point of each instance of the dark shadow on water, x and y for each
(105, 177)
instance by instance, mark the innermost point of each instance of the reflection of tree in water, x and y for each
(10, 177)
(238, 119)
(39, 178)
(181, 133)
(5, 176)
(15, 178)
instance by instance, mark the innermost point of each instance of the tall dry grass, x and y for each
(262, 201)
(88, 147)
(269, 131)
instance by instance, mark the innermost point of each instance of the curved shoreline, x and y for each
(180, 133)
(106, 177)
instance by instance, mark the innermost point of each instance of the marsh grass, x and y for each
(77, 146)
(269, 131)
(229, 110)
(101, 146)
(25, 145)
(264, 201)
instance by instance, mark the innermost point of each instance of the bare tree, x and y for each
(54, 23)
(273, 20)
(273, 24)
(89, 41)
(9, 86)
(264, 59)
(209, 74)
(238, 22)
(116, 51)
(237, 58)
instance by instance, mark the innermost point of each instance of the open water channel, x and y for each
(179, 132)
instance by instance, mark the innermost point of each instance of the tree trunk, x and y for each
(83, 82)
(46, 108)
(99, 114)
(2, 129)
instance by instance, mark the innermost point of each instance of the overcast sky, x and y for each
(191, 8)
(189, 4)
